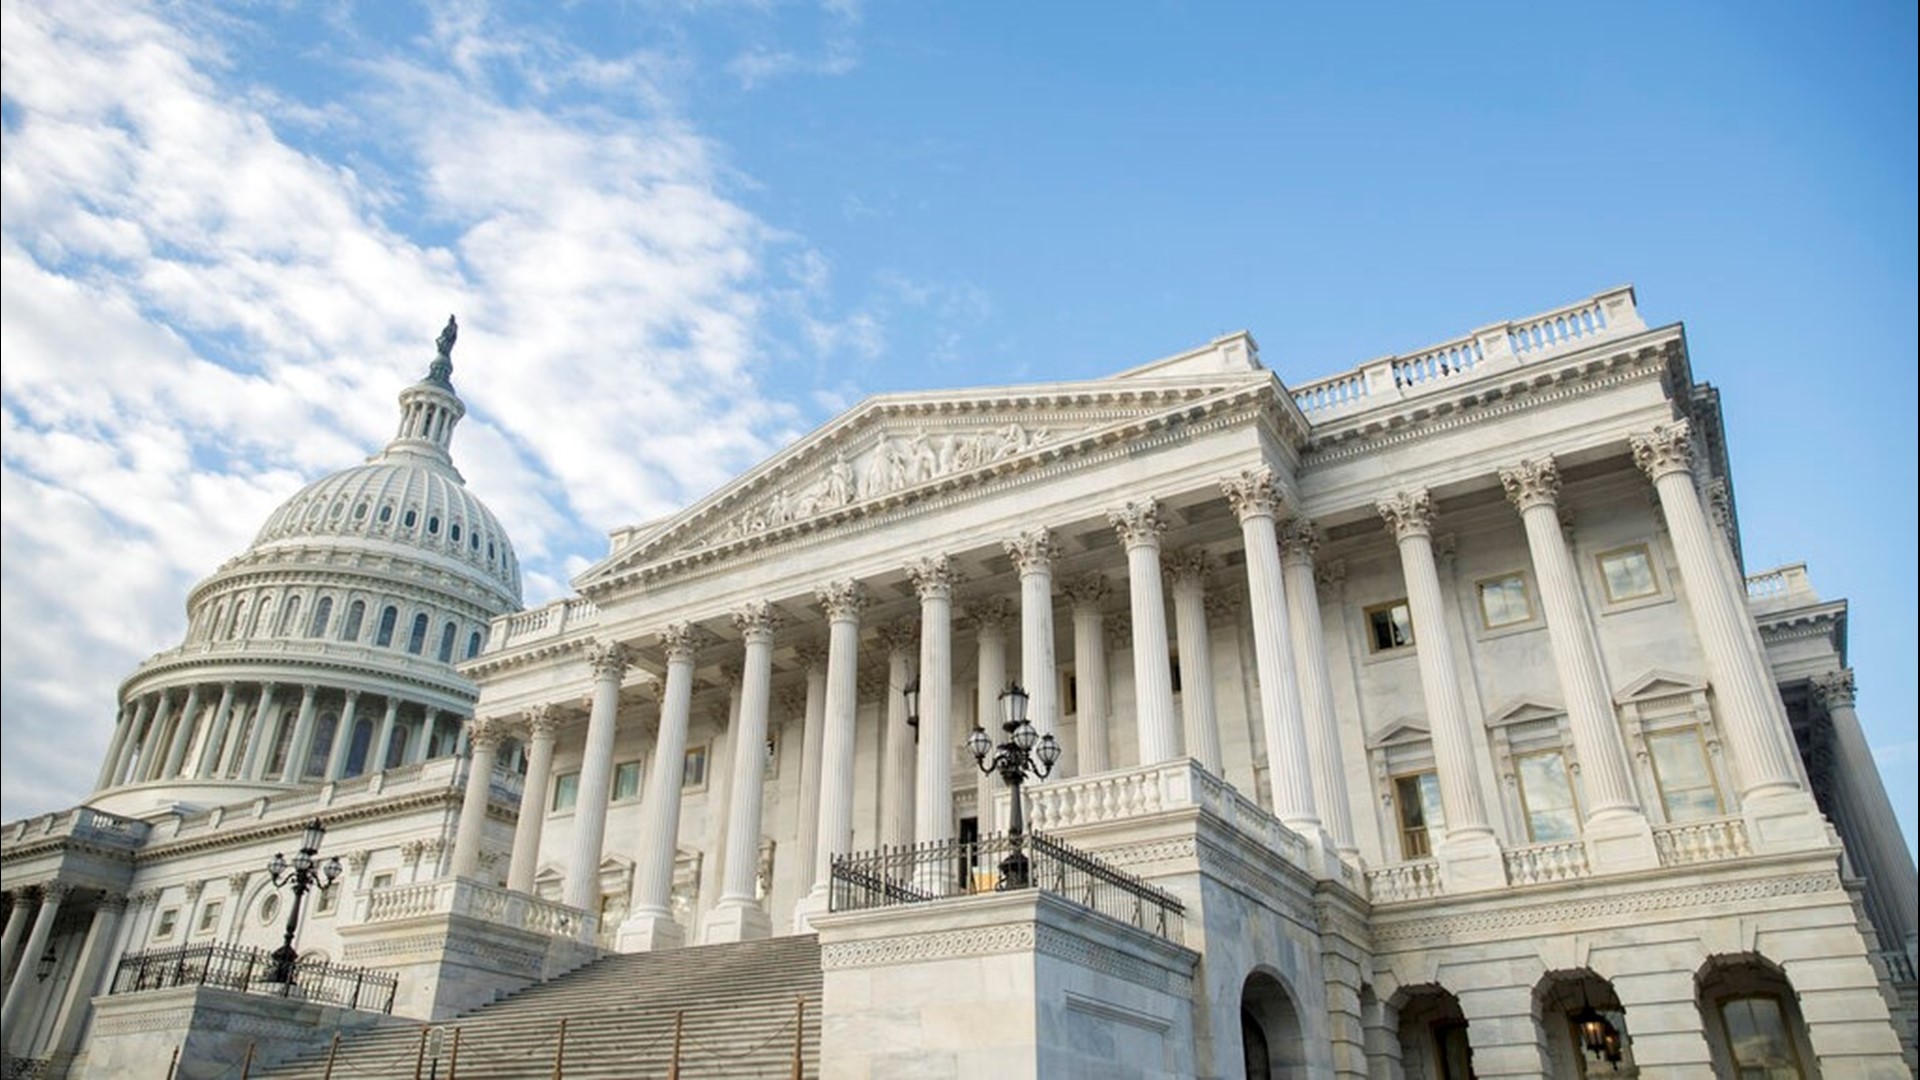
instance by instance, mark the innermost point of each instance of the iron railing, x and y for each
(945, 869)
(249, 971)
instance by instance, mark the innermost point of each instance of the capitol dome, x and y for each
(327, 649)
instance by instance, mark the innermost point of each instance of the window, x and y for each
(473, 644)
(626, 780)
(1758, 1039)
(383, 879)
(1504, 602)
(446, 642)
(693, 772)
(169, 919)
(1422, 821)
(433, 525)
(1628, 573)
(386, 514)
(1680, 768)
(356, 612)
(1389, 626)
(325, 900)
(566, 792)
(1546, 797)
(409, 519)
(388, 617)
(322, 615)
(269, 907)
(417, 640)
(290, 617)
(209, 918)
(453, 532)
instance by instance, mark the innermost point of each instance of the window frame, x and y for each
(1656, 588)
(638, 772)
(1429, 832)
(209, 920)
(560, 784)
(1374, 648)
(702, 753)
(1520, 758)
(1532, 616)
(165, 923)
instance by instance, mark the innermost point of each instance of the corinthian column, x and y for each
(609, 663)
(257, 735)
(1033, 552)
(295, 766)
(650, 924)
(814, 659)
(1469, 855)
(843, 601)
(483, 736)
(1199, 722)
(217, 734)
(122, 722)
(897, 741)
(1298, 542)
(1089, 597)
(990, 617)
(342, 747)
(542, 725)
(130, 746)
(151, 748)
(738, 916)
(1876, 839)
(182, 735)
(24, 983)
(1158, 734)
(1256, 501)
(933, 579)
(1618, 835)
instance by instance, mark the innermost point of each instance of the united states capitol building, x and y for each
(1418, 721)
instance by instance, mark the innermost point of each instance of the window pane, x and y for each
(626, 780)
(693, 772)
(1503, 601)
(1628, 573)
(566, 791)
(1547, 794)
(1757, 1037)
(1421, 818)
(1391, 626)
(1686, 783)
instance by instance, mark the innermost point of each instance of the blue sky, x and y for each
(679, 234)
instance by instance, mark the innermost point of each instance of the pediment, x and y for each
(1402, 731)
(1524, 710)
(1657, 683)
(897, 448)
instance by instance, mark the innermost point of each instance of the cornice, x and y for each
(181, 667)
(350, 569)
(538, 653)
(443, 798)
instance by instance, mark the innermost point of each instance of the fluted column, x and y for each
(383, 738)
(989, 617)
(1741, 686)
(1155, 729)
(121, 728)
(95, 953)
(1088, 594)
(1882, 852)
(257, 737)
(738, 916)
(1256, 501)
(933, 579)
(342, 746)
(17, 921)
(609, 662)
(543, 723)
(1298, 541)
(153, 748)
(182, 735)
(1469, 855)
(1199, 721)
(843, 601)
(483, 738)
(898, 744)
(130, 749)
(814, 659)
(650, 924)
(1033, 552)
(210, 753)
(24, 984)
(299, 747)
(422, 747)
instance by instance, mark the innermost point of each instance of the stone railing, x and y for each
(1898, 964)
(1543, 864)
(1512, 343)
(435, 772)
(82, 823)
(1701, 841)
(332, 652)
(1149, 789)
(552, 620)
(488, 903)
(1789, 582)
(1404, 881)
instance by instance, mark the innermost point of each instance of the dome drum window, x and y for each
(433, 525)
(410, 519)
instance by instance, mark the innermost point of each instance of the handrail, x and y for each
(250, 971)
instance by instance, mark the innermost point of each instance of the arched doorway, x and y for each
(1583, 1026)
(1433, 1035)
(1271, 1046)
(1752, 1018)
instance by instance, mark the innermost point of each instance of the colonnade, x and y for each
(35, 913)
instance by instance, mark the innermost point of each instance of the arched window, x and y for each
(433, 524)
(219, 624)
(325, 730)
(417, 640)
(356, 612)
(446, 642)
(322, 615)
(359, 748)
(407, 521)
(291, 617)
(264, 621)
(473, 645)
(388, 617)
(237, 625)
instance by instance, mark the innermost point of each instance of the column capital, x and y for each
(1089, 591)
(1408, 513)
(901, 636)
(357, 859)
(352, 695)
(1187, 567)
(1834, 689)
(1299, 539)
(794, 700)
(543, 721)
(1138, 523)
(485, 731)
(990, 615)
(144, 897)
(1533, 482)
(1720, 502)
(812, 655)
(756, 620)
(194, 887)
(1033, 551)
(1330, 574)
(1221, 606)
(112, 901)
(55, 891)
(1119, 628)
(608, 659)
(934, 576)
(1668, 448)
(236, 884)
(681, 640)
(842, 599)
(1252, 493)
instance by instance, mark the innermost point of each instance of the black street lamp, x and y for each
(48, 961)
(911, 692)
(1025, 753)
(303, 873)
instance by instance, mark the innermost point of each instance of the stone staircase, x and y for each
(736, 1003)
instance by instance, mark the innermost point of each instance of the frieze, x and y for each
(918, 948)
(1077, 950)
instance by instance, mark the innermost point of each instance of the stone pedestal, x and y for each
(136, 1034)
(650, 932)
(736, 922)
(1471, 862)
(1620, 842)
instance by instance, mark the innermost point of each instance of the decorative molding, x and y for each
(1408, 513)
(1139, 524)
(608, 659)
(1089, 591)
(1253, 493)
(919, 948)
(681, 640)
(934, 576)
(1834, 690)
(1668, 448)
(1188, 567)
(1299, 539)
(901, 636)
(1533, 482)
(756, 620)
(990, 615)
(1033, 551)
(843, 599)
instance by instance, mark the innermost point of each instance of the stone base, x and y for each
(1621, 842)
(736, 922)
(1471, 863)
(1789, 821)
(133, 1034)
(448, 964)
(650, 931)
(811, 906)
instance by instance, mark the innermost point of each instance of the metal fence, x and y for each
(941, 870)
(249, 971)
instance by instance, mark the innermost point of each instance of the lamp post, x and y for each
(1025, 753)
(303, 873)
(48, 961)
(911, 692)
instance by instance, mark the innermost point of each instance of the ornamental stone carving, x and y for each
(1221, 606)
(1033, 551)
(1089, 591)
(681, 640)
(933, 576)
(1330, 575)
(1299, 539)
(193, 889)
(1668, 448)
(901, 636)
(842, 599)
(543, 721)
(1138, 523)
(1409, 513)
(608, 659)
(485, 731)
(1720, 503)
(236, 884)
(793, 700)
(113, 901)
(812, 655)
(1533, 482)
(1253, 493)
(1834, 690)
(1188, 566)
(756, 620)
(357, 859)
(990, 615)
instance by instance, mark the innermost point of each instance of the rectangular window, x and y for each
(168, 920)
(626, 780)
(566, 792)
(209, 917)
(1389, 626)
(693, 773)
(1628, 573)
(1504, 602)
(1421, 818)
(1546, 797)
(325, 900)
(1686, 781)
(383, 880)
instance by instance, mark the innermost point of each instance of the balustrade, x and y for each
(1404, 881)
(1545, 864)
(487, 903)
(1701, 841)
(1150, 789)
